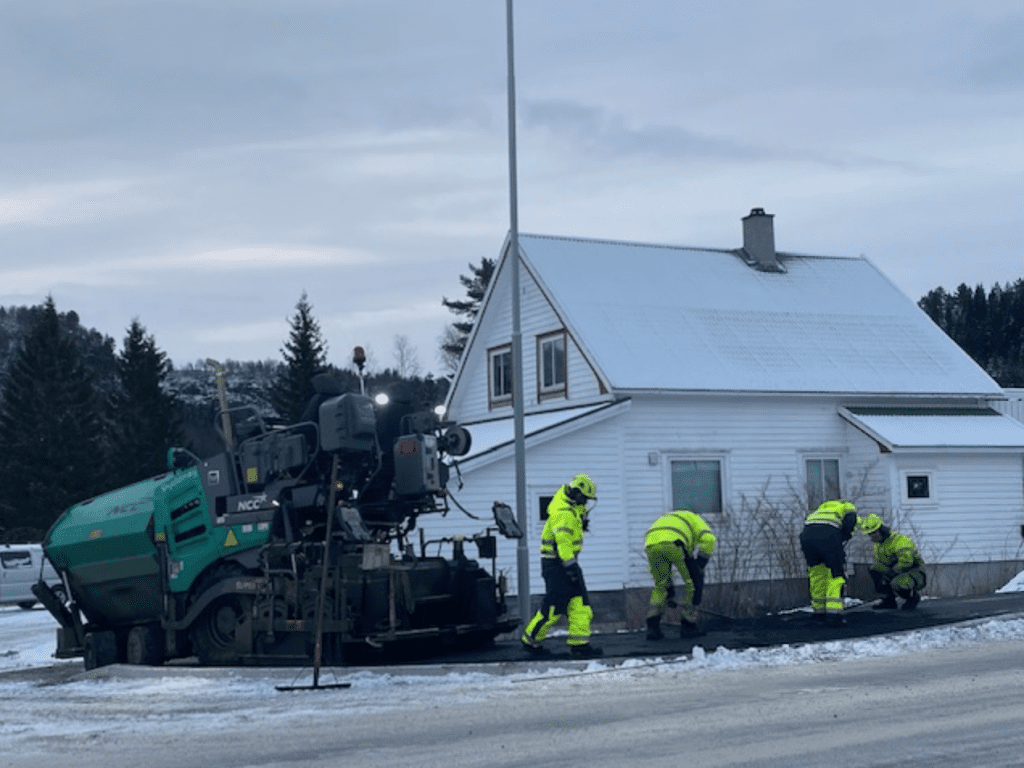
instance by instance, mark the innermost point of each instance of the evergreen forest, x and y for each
(987, 325)
(80, 415)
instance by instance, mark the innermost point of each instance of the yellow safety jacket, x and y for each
(685, 526)
(837, 514)
(896, 555)
(562, 538)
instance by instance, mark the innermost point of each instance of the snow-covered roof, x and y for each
(669, 317)
(937, 428)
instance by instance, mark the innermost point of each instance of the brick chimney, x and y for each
(759, 241)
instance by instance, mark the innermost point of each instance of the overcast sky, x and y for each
(198, 165)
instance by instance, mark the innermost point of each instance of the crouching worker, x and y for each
(898, 569)
(826, 531)
(565, 592)
(684, 540)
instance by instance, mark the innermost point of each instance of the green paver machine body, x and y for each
(224, 558)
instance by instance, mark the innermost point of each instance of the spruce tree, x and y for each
(988, 327)
(142, 413)
(51, 442)
(305, 355)
(454, 339)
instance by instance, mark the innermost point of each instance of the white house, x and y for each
(745, 384)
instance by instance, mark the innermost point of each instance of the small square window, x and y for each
(918, 487)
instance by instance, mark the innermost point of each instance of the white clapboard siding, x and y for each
(976, 510)
(762, 443)
(591, 450)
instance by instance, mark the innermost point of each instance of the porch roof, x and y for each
(974, 429)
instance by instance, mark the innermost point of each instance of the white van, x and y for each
(19, 570)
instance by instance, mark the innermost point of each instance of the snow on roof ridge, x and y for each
(608, 241)
(704, 249)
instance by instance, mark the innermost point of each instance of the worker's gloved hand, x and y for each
(670, 594)
(574, 572)
(702, 561)
(585, 522)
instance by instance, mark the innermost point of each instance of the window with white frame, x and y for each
(551, 364)
(697, 485)
(822, 481)
(499, 375)
(917, 486)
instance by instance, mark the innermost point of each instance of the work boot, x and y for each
(887, 603)
(911, 602)
(585, 651)
(688, 630)
(654, 628)
(536, 651)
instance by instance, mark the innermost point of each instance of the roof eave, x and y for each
(506, 449)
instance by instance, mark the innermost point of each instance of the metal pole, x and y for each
(522, 550)
(222, 398)
(322, 598)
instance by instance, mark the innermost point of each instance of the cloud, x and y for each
(262, 258)
(58, 205)
(152, 272)
(996, 62)
(596, 132)
(193, 162)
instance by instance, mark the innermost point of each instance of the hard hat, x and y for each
(584, 485)
(870, 523)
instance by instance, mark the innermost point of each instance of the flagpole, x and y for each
(522, 548)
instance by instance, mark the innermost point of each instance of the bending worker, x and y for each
(898, 568)
(825, 532)
(565, 592)
(684, 540)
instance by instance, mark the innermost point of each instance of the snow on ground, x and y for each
(137, 698)
(1016, 584)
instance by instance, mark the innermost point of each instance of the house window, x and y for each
(544, 502)
(697, 486)
(822, 481)
(499, 375)
(551, 365)
(917, 486)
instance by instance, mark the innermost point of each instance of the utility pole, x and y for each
(522, 548)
